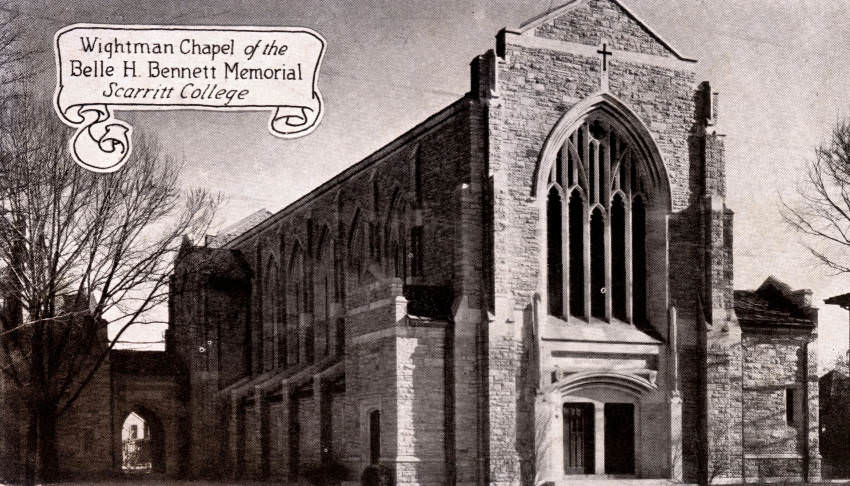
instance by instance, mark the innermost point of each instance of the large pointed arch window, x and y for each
(271, 316)
(601, 194)
(295, 305)
(323, 290)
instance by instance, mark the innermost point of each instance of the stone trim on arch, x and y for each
(634, 384)
(612, 266)
(629, 122)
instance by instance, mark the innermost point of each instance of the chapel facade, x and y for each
(534, 284)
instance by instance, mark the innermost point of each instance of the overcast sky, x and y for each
(780, 67)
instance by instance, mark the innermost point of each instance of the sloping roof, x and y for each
(237, 228)
(556, 12)
(843, 300)
(372, 159)
(143, 363)
(775, 304)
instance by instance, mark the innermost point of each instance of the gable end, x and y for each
(592, 22)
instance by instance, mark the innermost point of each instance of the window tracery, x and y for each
(598, 189)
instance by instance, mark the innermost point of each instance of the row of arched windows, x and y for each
(303, 307)
(596, 224)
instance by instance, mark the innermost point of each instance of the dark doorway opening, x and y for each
(619, 438)
(578, 438)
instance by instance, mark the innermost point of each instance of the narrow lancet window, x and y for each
(593, 174)
(555, 257)
(576, 223)
(416, 237)
(559, 168)
(639, 260)
(597, 264)
(295, 327)
(618, 257)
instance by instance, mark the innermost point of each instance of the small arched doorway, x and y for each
(601, 425)
(142, 443)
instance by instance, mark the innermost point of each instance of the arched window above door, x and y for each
(601, 186)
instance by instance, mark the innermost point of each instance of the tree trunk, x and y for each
(47, 452)
(30, 460)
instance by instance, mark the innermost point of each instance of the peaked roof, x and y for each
(556, 12)
(775, 304)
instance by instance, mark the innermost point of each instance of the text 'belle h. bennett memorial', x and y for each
(104, 68)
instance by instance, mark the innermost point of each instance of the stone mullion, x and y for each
(573, 167)
(599, 438)
(585, 161)
(586, 259)
(565, 254)
(587, 204)
(627, 190)
(607, 263)
(566, 168)
(605, 163)
(597, 197)
(627, 255)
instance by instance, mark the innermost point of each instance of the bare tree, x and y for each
(823, 210)
(16, 57)
(78, 251)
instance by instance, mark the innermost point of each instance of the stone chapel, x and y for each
(532, 285)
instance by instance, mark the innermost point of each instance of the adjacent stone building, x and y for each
(834, 412)
(780, 381)
(534, 284)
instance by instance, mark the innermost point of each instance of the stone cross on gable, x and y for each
(605, 53)
(603, 81)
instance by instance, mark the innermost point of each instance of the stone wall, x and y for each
(724, 408)
(85, 432)
(597, 20)
(395, 364)
(775, 362)
(354, 220)
(537, 82)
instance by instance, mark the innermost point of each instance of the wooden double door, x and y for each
(580, 437)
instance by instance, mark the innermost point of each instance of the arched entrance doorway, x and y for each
(142, 442)
(602, 416)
